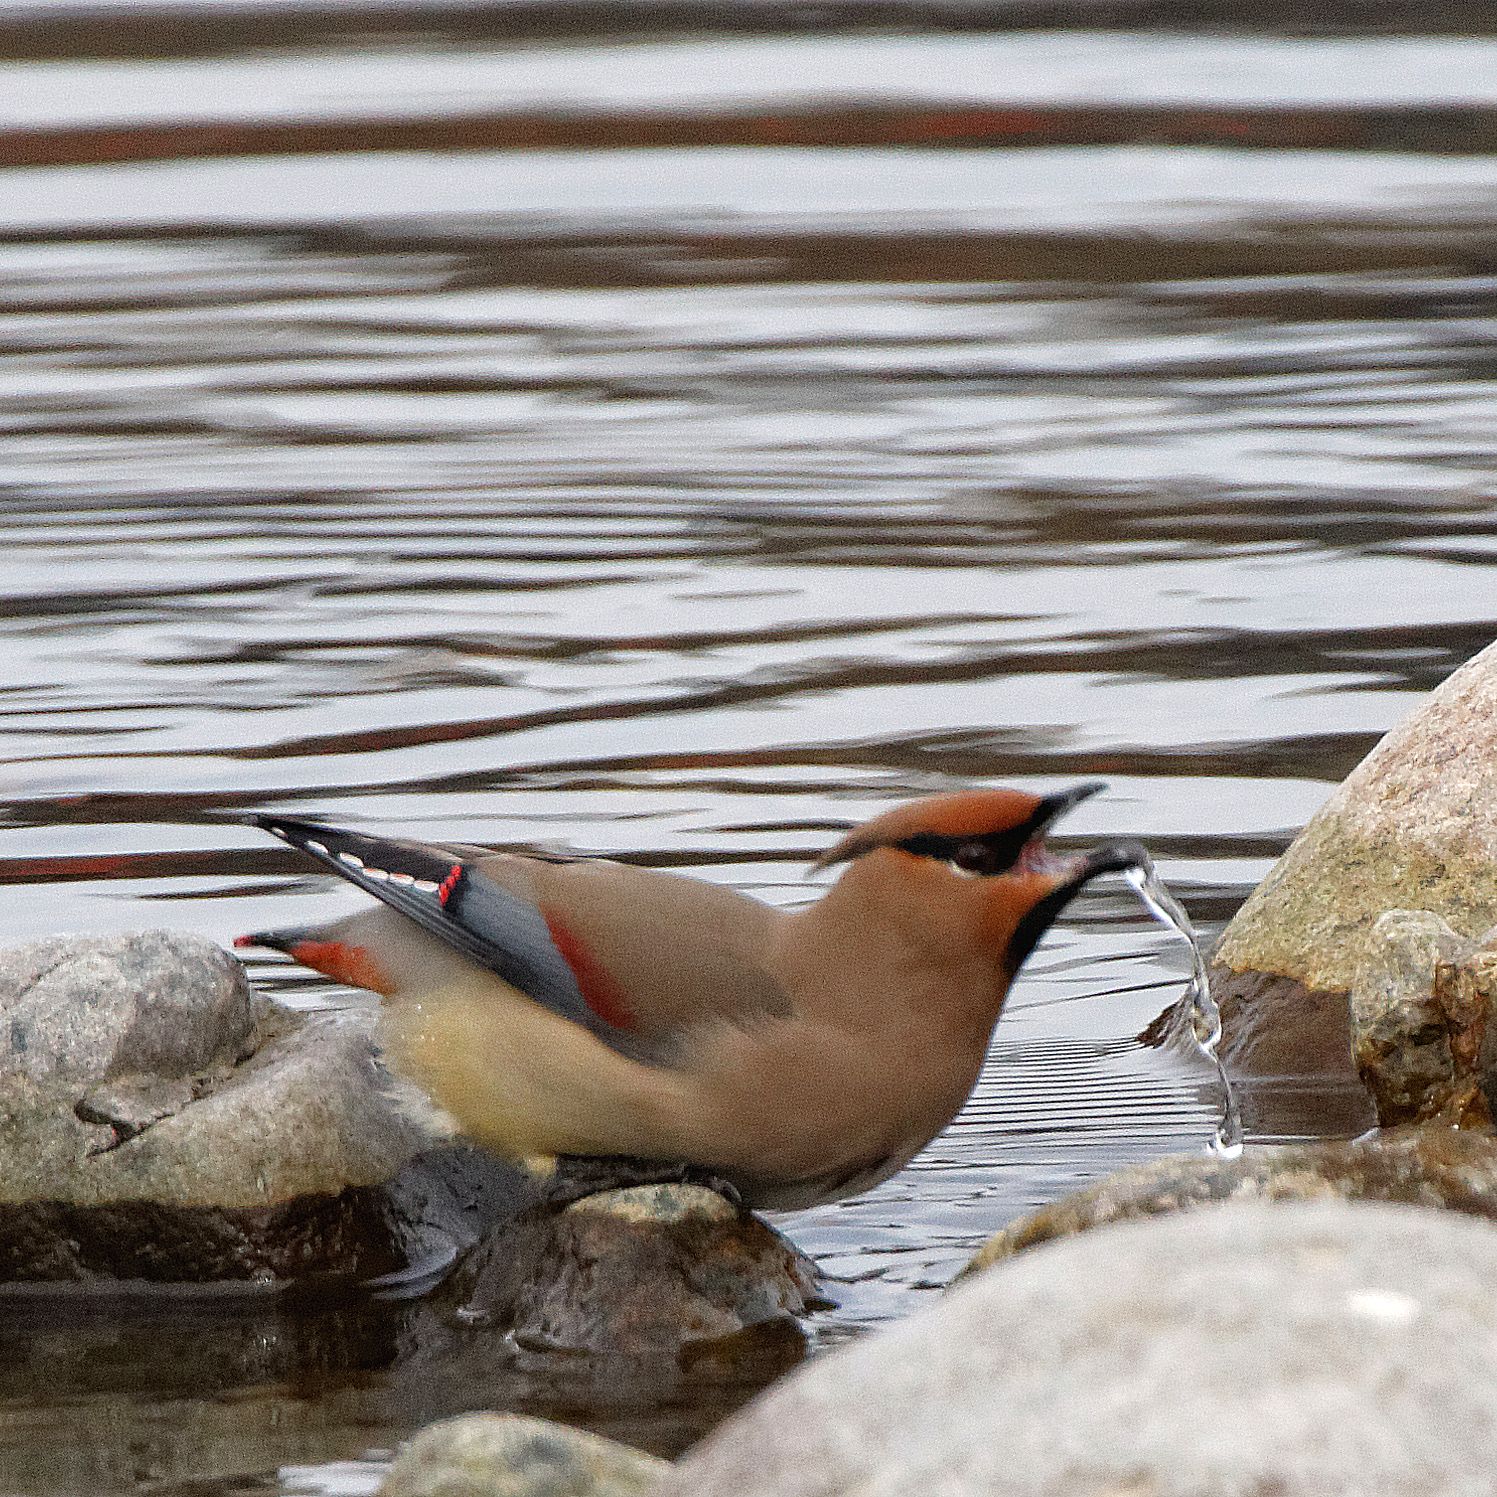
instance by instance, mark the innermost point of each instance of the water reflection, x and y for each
(199, 1395)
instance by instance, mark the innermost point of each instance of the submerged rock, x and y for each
(159, 1122)
(508, 1455)
(1414, 826)
(1420, 1010)
(651, 1271)
(1420, 1166)
(1327, 1350)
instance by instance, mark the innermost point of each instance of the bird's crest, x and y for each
(986, 828)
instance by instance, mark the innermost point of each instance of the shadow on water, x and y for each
(508, 423)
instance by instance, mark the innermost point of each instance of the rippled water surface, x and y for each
(676, 446)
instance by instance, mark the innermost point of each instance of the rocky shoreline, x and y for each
(1312, 1318)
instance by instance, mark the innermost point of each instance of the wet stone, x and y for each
(650, 1271)
(508, 1455)
(1414, 826)
(1420, 1010)
(159, 1122)
(1326, 1349)
(1419, 1166)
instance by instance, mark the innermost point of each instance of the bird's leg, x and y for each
(579, 1175)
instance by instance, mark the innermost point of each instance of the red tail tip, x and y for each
(240, 942)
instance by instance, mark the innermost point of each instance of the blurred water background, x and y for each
(671, 431)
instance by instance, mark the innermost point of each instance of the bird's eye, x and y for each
(975, 857)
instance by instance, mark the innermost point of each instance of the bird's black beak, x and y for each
(1035, 856)
(1053, 807)
(1071, 873)
(1111, 857)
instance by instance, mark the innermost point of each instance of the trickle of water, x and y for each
(1205, 1016)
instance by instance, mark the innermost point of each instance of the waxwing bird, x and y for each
(586, 1007)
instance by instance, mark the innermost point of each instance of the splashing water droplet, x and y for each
(1205, 1016)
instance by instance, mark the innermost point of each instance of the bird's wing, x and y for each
(633, 955)
(658, 953)
(444, 893)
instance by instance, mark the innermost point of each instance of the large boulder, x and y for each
(1414, 826)
(508, 1455)
(1419, 1166)
(159, 1122)
(1326, 1350)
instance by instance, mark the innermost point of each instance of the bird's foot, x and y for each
(579, 1175)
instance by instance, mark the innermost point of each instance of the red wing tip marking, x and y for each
(448, 884)
(599, 991)
(240, 942)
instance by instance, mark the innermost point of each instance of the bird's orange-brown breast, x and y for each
(1007, 901)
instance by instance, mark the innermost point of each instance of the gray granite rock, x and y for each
(158, 1122)
(1434, 1166)
(87, 1008)
(1310, 1350)
(1414, 826)
(508, 1455)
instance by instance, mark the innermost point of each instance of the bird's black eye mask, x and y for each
(986, 856)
